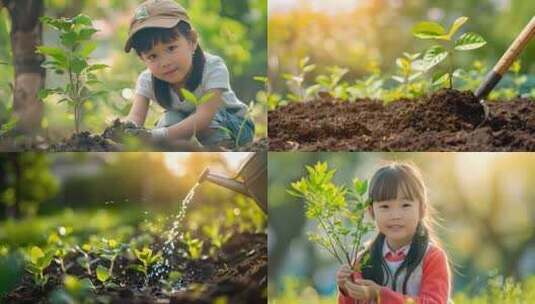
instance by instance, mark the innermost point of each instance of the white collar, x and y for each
(386, 249)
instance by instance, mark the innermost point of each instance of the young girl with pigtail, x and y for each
(405, 262)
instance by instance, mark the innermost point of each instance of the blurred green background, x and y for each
(99, 191)
(236, 30)
(485, 215)
(363, 35)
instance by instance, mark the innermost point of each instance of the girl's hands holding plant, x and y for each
(362, 289)
(342, 275)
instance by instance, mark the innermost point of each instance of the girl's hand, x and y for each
(363, 289)
(342, 275)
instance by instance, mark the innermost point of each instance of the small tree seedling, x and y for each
(216, 236)
(267, 96)
(71, 59)
(38, 262)
(369, 87)
(73, 291)
(194, 246)
(189, 96)
(407, 71)
(110, 249)
(438, 53)
(61, 246)
(331, 84)
(147, 259)
(85, 260)
(296, 82)
(341, 223)
(172, 279)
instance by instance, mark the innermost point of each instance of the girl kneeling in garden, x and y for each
(162, 36)
(405, 261)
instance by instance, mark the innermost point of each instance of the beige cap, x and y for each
(155, 13)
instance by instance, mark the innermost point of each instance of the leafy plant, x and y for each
(296, 82)
(216, 236)
(71, 59)
(85, 260)
(109, 249)
(74, 291)
(438, 53)
(172, 279)
(147, 259)
(38, 262)
(407, 71)
(267, 96)
(369, 87)
(331, 83)
(339, 211)
(189, 96)
(194, 246)
(60, 247)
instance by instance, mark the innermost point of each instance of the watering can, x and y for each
(251, 179)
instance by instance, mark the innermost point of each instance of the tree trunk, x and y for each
(26, 35)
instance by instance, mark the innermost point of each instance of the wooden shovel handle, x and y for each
(507, 59)
(516, 48)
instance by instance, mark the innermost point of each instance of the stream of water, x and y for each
(162, 268)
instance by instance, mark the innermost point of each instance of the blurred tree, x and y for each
(25, 182)
(26, 35)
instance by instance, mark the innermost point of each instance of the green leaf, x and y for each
(78, 65)
(102, 273)
(456, 26)
(403, 64)
(95, 67)
(428, 30)
(440, 80)
(35, 254)
(205, 98)
(57, 53)
(82, 20)
(137, 268)
(188, 96)
(88, 48)
(433, 56)
(398, 79)
(85, 34)
(69, 39)
(469, 41)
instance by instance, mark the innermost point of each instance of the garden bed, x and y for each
(447, 120)
(237, 273)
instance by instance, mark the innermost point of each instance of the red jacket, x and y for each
(434, 286)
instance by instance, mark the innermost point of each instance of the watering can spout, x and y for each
(223, 181)
(251, 180)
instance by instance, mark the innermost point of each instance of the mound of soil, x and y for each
(238, 273)
(85, 141)
(447, 120)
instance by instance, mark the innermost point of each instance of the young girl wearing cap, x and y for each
(405, 260)
(162, 36)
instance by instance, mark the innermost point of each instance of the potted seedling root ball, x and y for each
(338, 211)
(427, 101)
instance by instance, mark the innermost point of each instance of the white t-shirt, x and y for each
(215, 76)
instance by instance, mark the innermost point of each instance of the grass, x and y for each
(497, 291)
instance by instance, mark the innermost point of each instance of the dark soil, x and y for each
(238, 273)
(85, 141)
(114, 138)
(447, 120)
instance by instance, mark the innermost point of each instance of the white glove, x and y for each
(159, 133)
